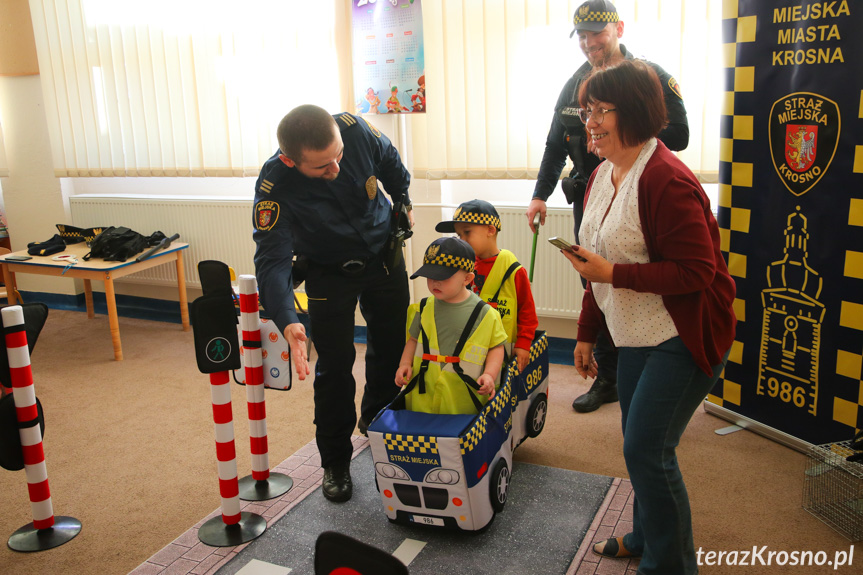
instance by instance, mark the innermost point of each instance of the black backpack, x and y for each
(119, 244)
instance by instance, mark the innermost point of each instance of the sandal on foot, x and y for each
(613, 548)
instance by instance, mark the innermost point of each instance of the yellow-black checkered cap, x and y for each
(471, 212)
(444, 257)
(593, 16)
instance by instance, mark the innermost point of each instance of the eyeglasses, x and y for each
(598, 115)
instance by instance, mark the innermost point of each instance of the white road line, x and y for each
(408, 550)
(256, 567)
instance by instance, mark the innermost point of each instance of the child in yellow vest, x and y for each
(453, 357)
(499, 279)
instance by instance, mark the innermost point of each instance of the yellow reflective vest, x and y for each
(445, 391)
(507, 298)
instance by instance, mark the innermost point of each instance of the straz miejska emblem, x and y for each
(804, 135)
(372, 187)
(266, 215)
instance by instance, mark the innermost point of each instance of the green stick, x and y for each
(533, 251)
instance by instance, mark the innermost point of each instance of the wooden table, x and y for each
(97, 269)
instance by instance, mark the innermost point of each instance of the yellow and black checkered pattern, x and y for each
(410, 443)
(585, 15)
(502, 397)
(850, 411)
(538, 347)
(476, 218)
(77, 233)
(449, 261)
(740, 185)
(471, 439)
(849, 364)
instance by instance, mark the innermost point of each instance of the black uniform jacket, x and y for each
(328, 222)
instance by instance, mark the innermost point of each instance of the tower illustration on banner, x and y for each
(791, 328)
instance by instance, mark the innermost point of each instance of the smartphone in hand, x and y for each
(562, 244)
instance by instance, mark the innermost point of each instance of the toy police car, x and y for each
(453, 471)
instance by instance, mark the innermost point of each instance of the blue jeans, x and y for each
(659, 388)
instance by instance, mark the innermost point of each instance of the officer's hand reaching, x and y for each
(295, 333)
(536, 206)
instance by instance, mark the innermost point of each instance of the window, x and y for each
(196, 88)
(179, 87)
(495, 70)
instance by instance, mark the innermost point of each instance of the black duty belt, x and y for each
(352, 267)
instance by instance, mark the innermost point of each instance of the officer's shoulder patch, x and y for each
(266, 215)
(374, 130)
(346, 121)
(266, 186)
(674, 86)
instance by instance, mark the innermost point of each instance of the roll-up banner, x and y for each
(791, 214)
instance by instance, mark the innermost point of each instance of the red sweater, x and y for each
(526, 321)
(686, 266)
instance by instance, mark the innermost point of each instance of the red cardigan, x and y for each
(686, 267)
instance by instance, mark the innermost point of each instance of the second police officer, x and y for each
(599, 28)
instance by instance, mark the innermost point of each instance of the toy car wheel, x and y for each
(536, 415)
(499, 485)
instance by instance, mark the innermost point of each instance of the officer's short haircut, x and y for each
(633, 89)
(306, 127)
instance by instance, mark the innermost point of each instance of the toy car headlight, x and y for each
(391, 471)
(443, 476)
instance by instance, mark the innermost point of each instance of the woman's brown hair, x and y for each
(633, 88)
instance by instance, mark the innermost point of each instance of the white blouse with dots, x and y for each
(634, 319)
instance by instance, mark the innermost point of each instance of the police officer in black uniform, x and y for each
(318, 197)
(598, 27)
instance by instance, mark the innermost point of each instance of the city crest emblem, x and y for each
(804, 135)
(431, 253)
(266, 215)
(801, 146)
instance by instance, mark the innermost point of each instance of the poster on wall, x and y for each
(791, 215)
(388, 57)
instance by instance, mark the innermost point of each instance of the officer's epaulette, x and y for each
(272, 173)
(346, 121)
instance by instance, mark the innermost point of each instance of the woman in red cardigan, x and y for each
(659, 286)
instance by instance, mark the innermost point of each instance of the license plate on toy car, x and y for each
(427, 520)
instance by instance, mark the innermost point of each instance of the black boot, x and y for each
(602, 391)
(337, 484)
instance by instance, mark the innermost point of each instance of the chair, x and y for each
(3, 288)
(338, 553)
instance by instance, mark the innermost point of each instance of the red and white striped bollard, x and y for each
(46, 531)
(262, 484)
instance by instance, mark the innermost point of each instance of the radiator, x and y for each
(556, 285)
(215, 229)
(221, 229)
